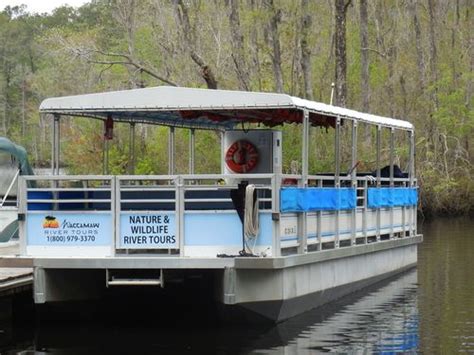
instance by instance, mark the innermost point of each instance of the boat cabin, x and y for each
(196, 215)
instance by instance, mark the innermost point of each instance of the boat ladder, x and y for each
(120, 277)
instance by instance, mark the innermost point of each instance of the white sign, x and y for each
(69, 229)
(148, 231)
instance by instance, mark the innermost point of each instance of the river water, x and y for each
(429, 309)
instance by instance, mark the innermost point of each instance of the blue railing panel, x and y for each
(298, 199)
(391, 197)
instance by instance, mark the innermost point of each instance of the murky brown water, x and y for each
(429, 309)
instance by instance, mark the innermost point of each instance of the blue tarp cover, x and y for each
(392, 196)
(298, 199)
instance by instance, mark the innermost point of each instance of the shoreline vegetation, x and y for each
(411, 60)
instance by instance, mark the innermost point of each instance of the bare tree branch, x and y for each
(127, 61)
(182, 17)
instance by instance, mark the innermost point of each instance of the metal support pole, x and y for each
(115, 211)
(179, 213)
(53, 148)
(22, 209)
(106, 157)
(222, 152)
(56, 145)
(392, 161)
(379, 147)
(411, 174)
(411, 168)
(354, 153)
(337, 153)
(56, 150)
(354, 180)
(319, 215)
(364, 216)
(276, 243)
(302, 216)
(131, 157)
(191, 150)
(304, 148)
(171, 151)
(337, 174)
(392, 154)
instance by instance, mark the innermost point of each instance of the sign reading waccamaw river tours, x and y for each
(67, 229)
(148, 231)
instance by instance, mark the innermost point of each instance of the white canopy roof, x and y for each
(203, 108)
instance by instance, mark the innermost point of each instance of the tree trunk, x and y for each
(305, 50)
(340, 52)
(433, 52)
(237, 41)
(189, 37)
(275, 41)
(418, 44)
(364, 55)
(125, 11)
(255, 48)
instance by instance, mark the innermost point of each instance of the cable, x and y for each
(251, 222)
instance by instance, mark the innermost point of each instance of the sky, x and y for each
(41, 6)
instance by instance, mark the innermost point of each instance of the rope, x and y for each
(251, 223)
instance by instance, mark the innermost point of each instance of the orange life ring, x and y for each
(241, 157)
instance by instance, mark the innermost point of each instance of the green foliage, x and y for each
(81, 50)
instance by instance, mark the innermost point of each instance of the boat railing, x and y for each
(181, 196)
(5, 198)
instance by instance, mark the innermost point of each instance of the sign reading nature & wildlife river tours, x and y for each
(148, 231)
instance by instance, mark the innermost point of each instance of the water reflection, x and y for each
(382, 321)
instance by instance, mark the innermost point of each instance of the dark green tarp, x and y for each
(19, 153)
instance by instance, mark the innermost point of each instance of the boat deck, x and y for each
(14, 279)
(145, 261)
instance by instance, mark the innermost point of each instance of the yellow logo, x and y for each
(50, 222)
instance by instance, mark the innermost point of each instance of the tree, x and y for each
(237, 40)
(340, 52)
(189, 35)
(364, 55)
(275, 19)
(305, 49)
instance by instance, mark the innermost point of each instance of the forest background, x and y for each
(407, 59)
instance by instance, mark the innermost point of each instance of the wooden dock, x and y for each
(13, 279)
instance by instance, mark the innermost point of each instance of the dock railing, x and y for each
(117, 199)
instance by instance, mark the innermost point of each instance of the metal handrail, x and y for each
(10, 187)
(67, 189)
(56, 200)
(68, 177)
